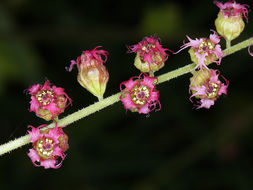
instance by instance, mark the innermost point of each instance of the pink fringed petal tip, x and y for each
(233, 9)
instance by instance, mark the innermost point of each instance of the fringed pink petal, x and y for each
(72, 63)
(33, 155)
(94, 55)
(251, 54)
(154, 96)
(148, 81)
(214, 76)
(127, 102)
(128, 84)
(200, 91)
(218, 52)
(46, 85)
(205, 103)
(144, 109)
(215, 38)
(34, 104)
(223, 89)
(49, 163)
(34, 89)
(58, 90)
(34, 134)
(57, 151)
(53, 108)
(201, 61)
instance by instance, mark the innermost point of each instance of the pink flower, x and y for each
(233, 9)
(204, 51)
(92, 74)
(47, 102)
(140, 94)
(150, 54)
(48, 146)
(206, 86)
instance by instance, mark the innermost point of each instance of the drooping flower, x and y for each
(150, 55)
(204, 51)
(48, 146)
(92, 74)
(139, 94)
(229, 22)
(206, 86)
(47, 102)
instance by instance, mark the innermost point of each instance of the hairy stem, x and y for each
(21, 141)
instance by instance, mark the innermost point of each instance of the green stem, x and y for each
(228, 44)
(21, 141)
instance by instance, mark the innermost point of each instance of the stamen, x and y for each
(206, 45)
(212, 90)
(44, 97)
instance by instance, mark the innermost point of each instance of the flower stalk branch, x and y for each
(21, 141)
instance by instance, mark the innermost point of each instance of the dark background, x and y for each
(176, 148)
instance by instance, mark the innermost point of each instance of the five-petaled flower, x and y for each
(204, 51)
(229, 22)
(205, 85)
(47, 102)
(140, 94)
(92, 74)
(150, 55)
(48, 146)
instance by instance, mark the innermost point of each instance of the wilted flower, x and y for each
(205, 85)
(92, 74)
(140, 94)
(48, 146)
(229, 22)
(150, 55)
(47, 102)
(204, 51)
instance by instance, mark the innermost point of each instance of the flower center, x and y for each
(44, 97)
(140, 94)
(45, 147)
(212, 90)
(205, 46)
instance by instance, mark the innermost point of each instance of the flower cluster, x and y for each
(139, 93)
(49, 145)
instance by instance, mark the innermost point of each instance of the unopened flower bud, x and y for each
(92, 74)
(229, 22)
